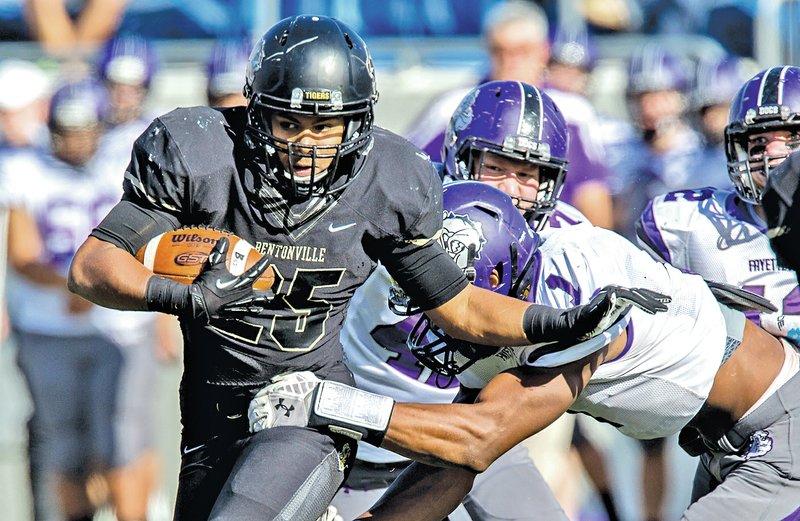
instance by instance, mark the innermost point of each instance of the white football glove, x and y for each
(331, 514)
(787, 326)
(303, 400)
(285, 401)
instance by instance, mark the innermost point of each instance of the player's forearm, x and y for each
(50, 23)
(423, 493)
(40, 273)
(483, 317)
(99, 20)
(512, 407)
(108, 276)
(460, 435)
(487, 318)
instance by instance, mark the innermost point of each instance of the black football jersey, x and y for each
(193, 164)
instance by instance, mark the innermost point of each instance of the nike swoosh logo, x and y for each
(187, 450)
(225, 285)
(334, 229)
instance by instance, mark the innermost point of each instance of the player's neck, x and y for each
(759, 210)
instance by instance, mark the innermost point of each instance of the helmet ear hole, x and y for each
(495, 277)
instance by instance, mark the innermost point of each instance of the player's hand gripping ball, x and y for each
(180, 254)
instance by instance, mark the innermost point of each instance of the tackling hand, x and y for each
(302, 400)
(612, 302)
(283, 402)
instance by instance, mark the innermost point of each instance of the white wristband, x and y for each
(348, 406)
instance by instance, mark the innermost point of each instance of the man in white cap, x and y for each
(24, 90)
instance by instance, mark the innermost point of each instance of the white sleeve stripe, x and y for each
(137, 184)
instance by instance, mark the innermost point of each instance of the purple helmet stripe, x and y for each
(541, 114)
(781, 84)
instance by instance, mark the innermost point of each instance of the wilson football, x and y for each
(180, 254)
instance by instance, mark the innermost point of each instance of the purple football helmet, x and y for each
(717, 81)
(768, 101)
(226, 68)
(654, 68)
(78, 105)
(314, 66)
(490, 240)
(517, 121)
(127, 59)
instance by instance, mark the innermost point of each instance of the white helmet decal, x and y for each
(459, 232)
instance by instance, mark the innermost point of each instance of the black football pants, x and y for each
(286, 473)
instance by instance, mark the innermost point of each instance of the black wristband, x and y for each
(543, 324)
(167, 296)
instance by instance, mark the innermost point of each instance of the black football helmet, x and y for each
(314, 66)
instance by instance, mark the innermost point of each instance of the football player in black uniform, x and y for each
(302, 174)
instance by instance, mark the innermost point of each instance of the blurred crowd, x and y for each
(90, 371)
(66, 133)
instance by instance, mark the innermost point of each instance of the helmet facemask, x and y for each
(333, 179)
(448, 356)
(552, 172)
(748, 164)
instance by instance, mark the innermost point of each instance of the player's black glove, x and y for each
(215, 293)
(567, 327)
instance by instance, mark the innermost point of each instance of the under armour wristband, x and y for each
(167, 296)
(351, 412)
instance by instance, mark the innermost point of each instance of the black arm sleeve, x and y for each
(427, 274)
(129, 226)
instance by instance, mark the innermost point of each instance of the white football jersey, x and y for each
(66, 203)
(666, 370)
(374, 340)
(715, 234)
